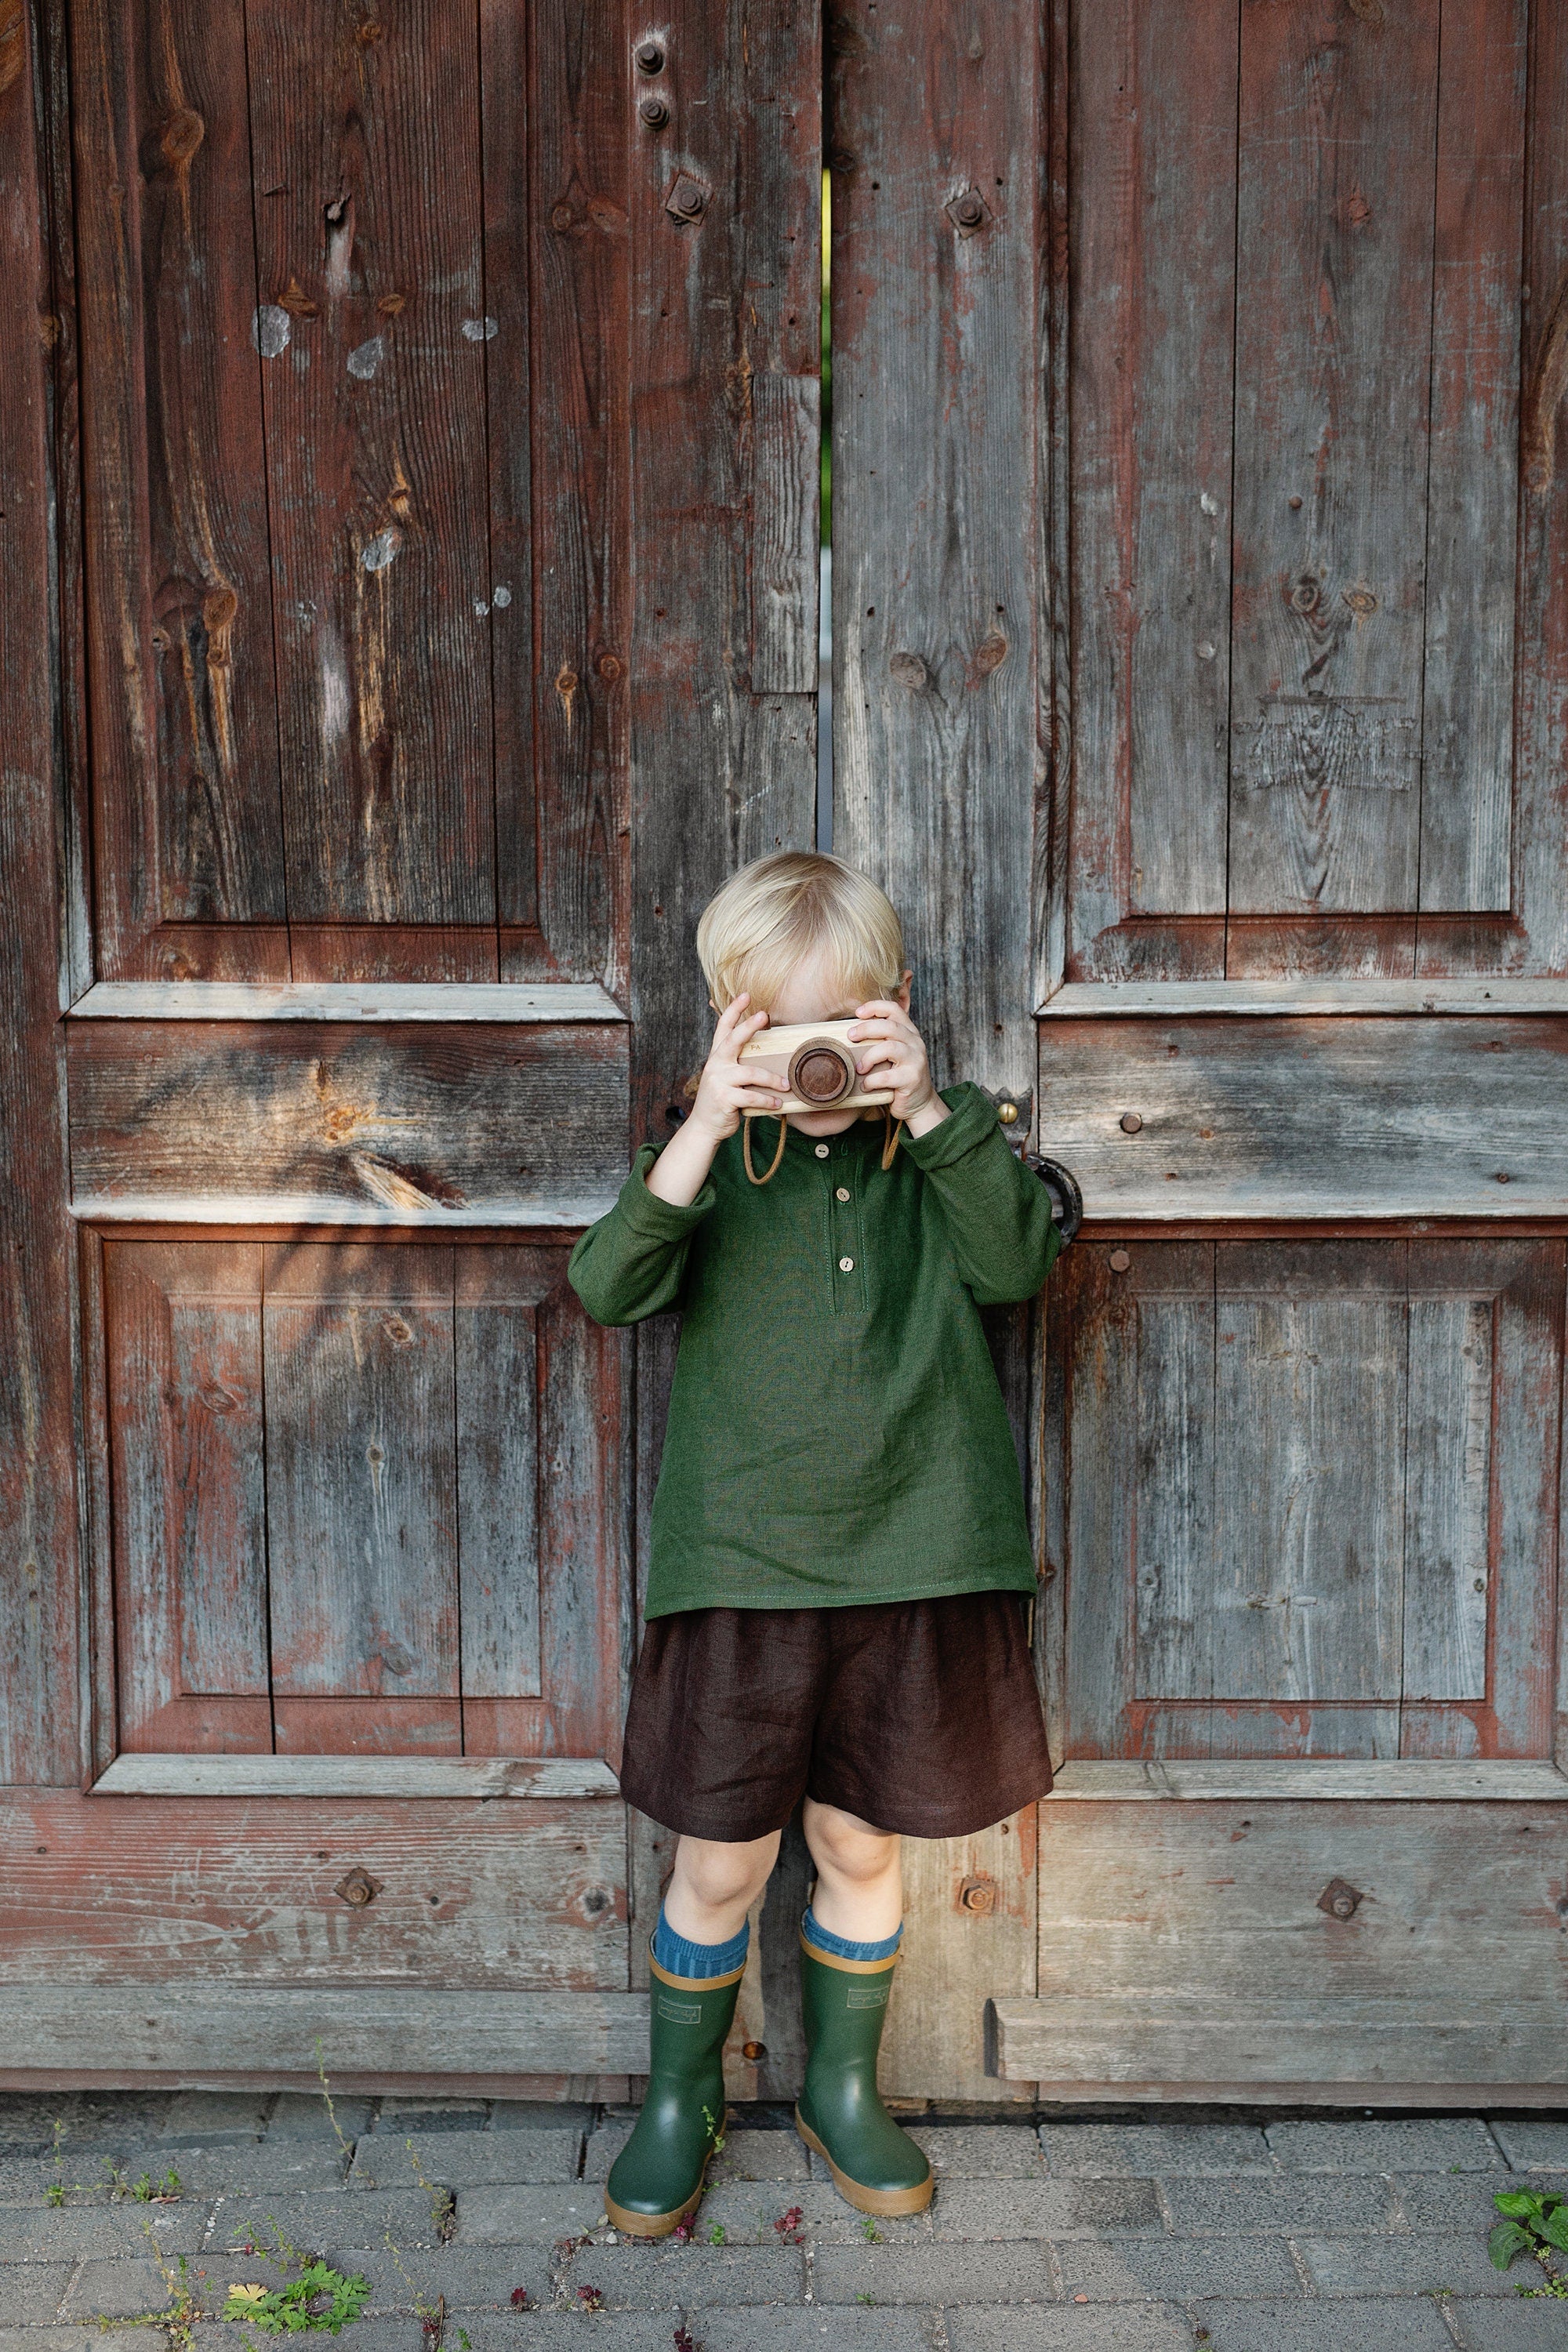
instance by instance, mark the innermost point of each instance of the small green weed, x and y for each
(870, 2231)
(1535, 2223)
(319, 2298)
(717, 2235)
(715, 2129)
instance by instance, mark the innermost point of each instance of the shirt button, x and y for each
(845, 1265)
(822, 1150)
(842, 1193)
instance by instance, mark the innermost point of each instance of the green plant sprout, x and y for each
(1535, 2223)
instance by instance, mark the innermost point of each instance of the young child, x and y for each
(840, 1562)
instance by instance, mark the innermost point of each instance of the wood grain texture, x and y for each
(184, 1384)
(1340, 1781)
(414, 1121)
(1503, 993)
(186, 752)
(1472, 493)
(721, 770)
(131, 2033)
(39, 1593)
(240, 1892)
(525, 1776)
(1358, 2045)
(558, 238)
(957, 1958)
(1312, 1500)
(1333, 344)
(1314, 1117)
(936, 731)
(1153, 230)
(112, 1000)
(496, 1373)
(371, 243)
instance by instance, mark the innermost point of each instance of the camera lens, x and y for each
(821, 1074)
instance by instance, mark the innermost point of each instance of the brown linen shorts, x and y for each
(916, 1716)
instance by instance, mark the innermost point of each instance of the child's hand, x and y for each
(728, 1087)
(895, 1057)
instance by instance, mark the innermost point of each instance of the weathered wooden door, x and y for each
(1200, 586)
(409, 616)
(410, 612)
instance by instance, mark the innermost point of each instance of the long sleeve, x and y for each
(633, 1262)
(997, 1212)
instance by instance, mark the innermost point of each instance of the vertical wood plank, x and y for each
(1334, 328)
(1154, 338)
(557, 236)
(1447, 1497)
(1472, 496)
(1310, 1416)
(1541, 815)
(361, 1500)
(723, 293)
(1099, 1310)
(935, 138)
(496, 1370)
(39, 1592)
(1175, 1563)
(369, 238)
(184, 1365)
(1529, 1338)
(180, 598)
(957, 1958)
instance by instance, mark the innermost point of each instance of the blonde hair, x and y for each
(777, 911)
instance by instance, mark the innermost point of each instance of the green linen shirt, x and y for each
(835, 1432)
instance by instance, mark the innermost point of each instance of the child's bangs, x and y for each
(791, 908)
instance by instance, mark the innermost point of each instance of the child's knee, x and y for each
(851, 1848)
(719, 1873)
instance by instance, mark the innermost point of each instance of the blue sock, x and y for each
(841, 1949)
(681, 1958)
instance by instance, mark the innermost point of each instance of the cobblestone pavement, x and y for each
(1365, 2233)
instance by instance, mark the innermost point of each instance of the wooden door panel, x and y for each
(1295, 480)
(364, 1500)
(296, 1120)
(1313, 1489)
(326, 747)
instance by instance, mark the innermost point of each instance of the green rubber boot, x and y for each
(658, 2178)
(840, 2113)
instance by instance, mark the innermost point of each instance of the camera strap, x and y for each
(893, 1129)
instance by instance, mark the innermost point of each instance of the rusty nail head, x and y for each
(1120, 1261)
(687, 201)
(968, 212)
(649, 58)
(752, 2050)
(842, 159)
(1339, 1899)
(654, 112)
(1131, 1122)
(357, 1888)
(978, 1894)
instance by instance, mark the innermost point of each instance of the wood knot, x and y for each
(989, 655)
(183, 134)
(297, 302)
(909, 670)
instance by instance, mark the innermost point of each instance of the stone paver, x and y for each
(1147, 2327)
(1004, 2272)
(1318, 2201)
(1531, 2142)
(1414, 2326)
(536, 2215)
(1307, 2233)
(466, 2159)
(663, 2277)
(980, 2151)
(1139, 2150)
(33, 2290)
(1044, 2208)
(1511, 2326)
(1138, 2270)
(1386, 2143)
(1410, 2265)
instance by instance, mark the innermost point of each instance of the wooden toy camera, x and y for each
(815, 1062)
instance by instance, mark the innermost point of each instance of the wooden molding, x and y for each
(224, 1000)
(1409, 1778)
(1102, 1000)
(129, 2029)
(1356, 2044)
(289, 1211)
(474, 1777)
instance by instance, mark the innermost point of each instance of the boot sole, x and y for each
(659, 2225)
(864, 2200)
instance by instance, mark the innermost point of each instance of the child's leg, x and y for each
(714, 1884)
(859, 1883)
